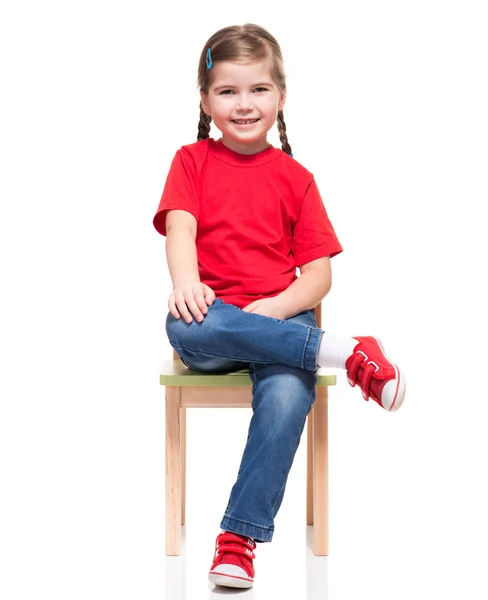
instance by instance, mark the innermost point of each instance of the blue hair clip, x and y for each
(209, 60)
(291, 154)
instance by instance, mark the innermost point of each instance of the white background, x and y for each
(387, 107)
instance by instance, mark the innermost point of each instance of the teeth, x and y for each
(241, 122)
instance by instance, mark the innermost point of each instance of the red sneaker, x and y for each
(379, 378)
(232, 564)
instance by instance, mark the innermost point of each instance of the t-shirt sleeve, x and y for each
(180, 190)
(313, 234)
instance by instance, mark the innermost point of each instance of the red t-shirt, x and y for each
(259, 217)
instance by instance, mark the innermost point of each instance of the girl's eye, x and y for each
(227, 92)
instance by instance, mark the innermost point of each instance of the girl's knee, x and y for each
(289, 391)
(178, 330)
(181, 333)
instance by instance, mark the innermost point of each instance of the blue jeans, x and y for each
(281, 357)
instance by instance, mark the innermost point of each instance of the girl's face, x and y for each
(243, 102)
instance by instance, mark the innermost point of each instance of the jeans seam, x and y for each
(305, 346)
(297, 442)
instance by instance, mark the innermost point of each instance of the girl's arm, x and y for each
(309, 289)
(189, 294)
(304, 293)
(181, 250)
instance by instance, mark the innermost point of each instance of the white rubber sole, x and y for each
(229, 580)
(394, 391)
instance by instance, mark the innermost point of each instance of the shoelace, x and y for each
(369, 367)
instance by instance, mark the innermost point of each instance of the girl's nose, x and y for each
(244, 102)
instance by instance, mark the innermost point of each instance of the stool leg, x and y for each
(310, 467)
(173, 471)
(183, 464)
(320, 474)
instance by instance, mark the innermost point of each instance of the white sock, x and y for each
(334, 350)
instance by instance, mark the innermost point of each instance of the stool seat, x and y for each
(175, 372)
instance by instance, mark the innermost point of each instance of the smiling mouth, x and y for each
(244, 121)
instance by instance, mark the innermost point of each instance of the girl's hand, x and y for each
(268, 307)
(192, 297)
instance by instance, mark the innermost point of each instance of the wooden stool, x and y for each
(186, 389)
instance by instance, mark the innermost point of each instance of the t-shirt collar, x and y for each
(243, 160)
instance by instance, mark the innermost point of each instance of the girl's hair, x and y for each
(242, 42)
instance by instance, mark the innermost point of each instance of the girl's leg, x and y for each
(282, 399)
(227, 333)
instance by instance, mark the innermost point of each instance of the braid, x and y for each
(285, 146)
(203, 125)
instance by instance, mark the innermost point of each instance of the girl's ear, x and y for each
(205, 104)
(282, 101)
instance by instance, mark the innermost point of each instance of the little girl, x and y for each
(240, 216)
